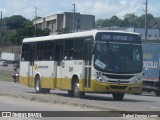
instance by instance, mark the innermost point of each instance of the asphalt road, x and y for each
(145, 102)
(16, 97)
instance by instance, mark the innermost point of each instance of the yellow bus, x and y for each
(96, 61)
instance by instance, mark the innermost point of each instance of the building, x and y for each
(69, 20)
(152, 34)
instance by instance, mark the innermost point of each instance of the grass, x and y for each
(5, 75)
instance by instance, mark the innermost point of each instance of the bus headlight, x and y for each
(136, 81)
(100, 80)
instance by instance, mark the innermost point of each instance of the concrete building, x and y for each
(70, 21)
(152, 34)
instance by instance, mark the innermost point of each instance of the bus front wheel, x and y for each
(76, 90)
(118, 96)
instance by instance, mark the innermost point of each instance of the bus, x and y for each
(96, 61)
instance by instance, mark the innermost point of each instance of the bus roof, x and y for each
(71, 35)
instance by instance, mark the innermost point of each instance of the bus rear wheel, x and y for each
(118, 96)
(76, 90)
(38, 86)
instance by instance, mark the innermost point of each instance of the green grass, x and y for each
(5, 75)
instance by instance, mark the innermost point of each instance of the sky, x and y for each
(102, 9)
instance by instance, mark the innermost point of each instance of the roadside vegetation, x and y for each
(5, 75)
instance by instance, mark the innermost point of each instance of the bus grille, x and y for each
(118, 87)
(121, 82)
(119, 76)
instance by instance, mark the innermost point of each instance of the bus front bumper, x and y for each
(118, 88)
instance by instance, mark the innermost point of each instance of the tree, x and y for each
(130, 20)
(115, 21)
(42, 32)
(20, 28)
(99, 22)
(62, 30)
(15, 21)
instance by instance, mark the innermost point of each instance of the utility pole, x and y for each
(0, 31)
(35, 34)
(74, 10)
(146, 4)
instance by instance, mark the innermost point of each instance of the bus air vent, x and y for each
(118, 87)
(119, 76)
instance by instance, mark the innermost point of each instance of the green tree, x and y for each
(99, 22)
(15, 21)
(115, 21)
(129, 20)
(62, 30)
(42, 32)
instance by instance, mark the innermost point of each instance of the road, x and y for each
(143, 102)
(16, 97)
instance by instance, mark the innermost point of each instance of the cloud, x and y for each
(107, 8)
(100, 8)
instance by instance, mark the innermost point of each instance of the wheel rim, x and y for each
(77, 88)
(37, 85)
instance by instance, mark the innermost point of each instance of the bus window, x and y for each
(40, 51)
(48, 50)
(78, 48)
(69, 49)
(25, 52)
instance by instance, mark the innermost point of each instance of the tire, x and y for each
(38, 86)
(70, 93)
(76, 90)
(118, 96)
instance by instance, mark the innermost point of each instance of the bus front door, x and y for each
(58, 65)
(87, 68)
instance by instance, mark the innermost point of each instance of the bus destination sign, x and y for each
(118, 37)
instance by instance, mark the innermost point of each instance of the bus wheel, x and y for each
(38, 86)
(118, 96)
(76, 90)
(70, 93)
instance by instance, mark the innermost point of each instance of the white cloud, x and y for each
(100, 8)
(107, 8)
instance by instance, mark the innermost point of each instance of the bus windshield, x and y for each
(118, 57)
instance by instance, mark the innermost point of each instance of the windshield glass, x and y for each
(118, 58)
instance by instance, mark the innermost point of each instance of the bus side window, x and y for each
(25, 52)
(69, 49)
(40, 51)
(48, 55)
(40, 55)
(78, 48)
